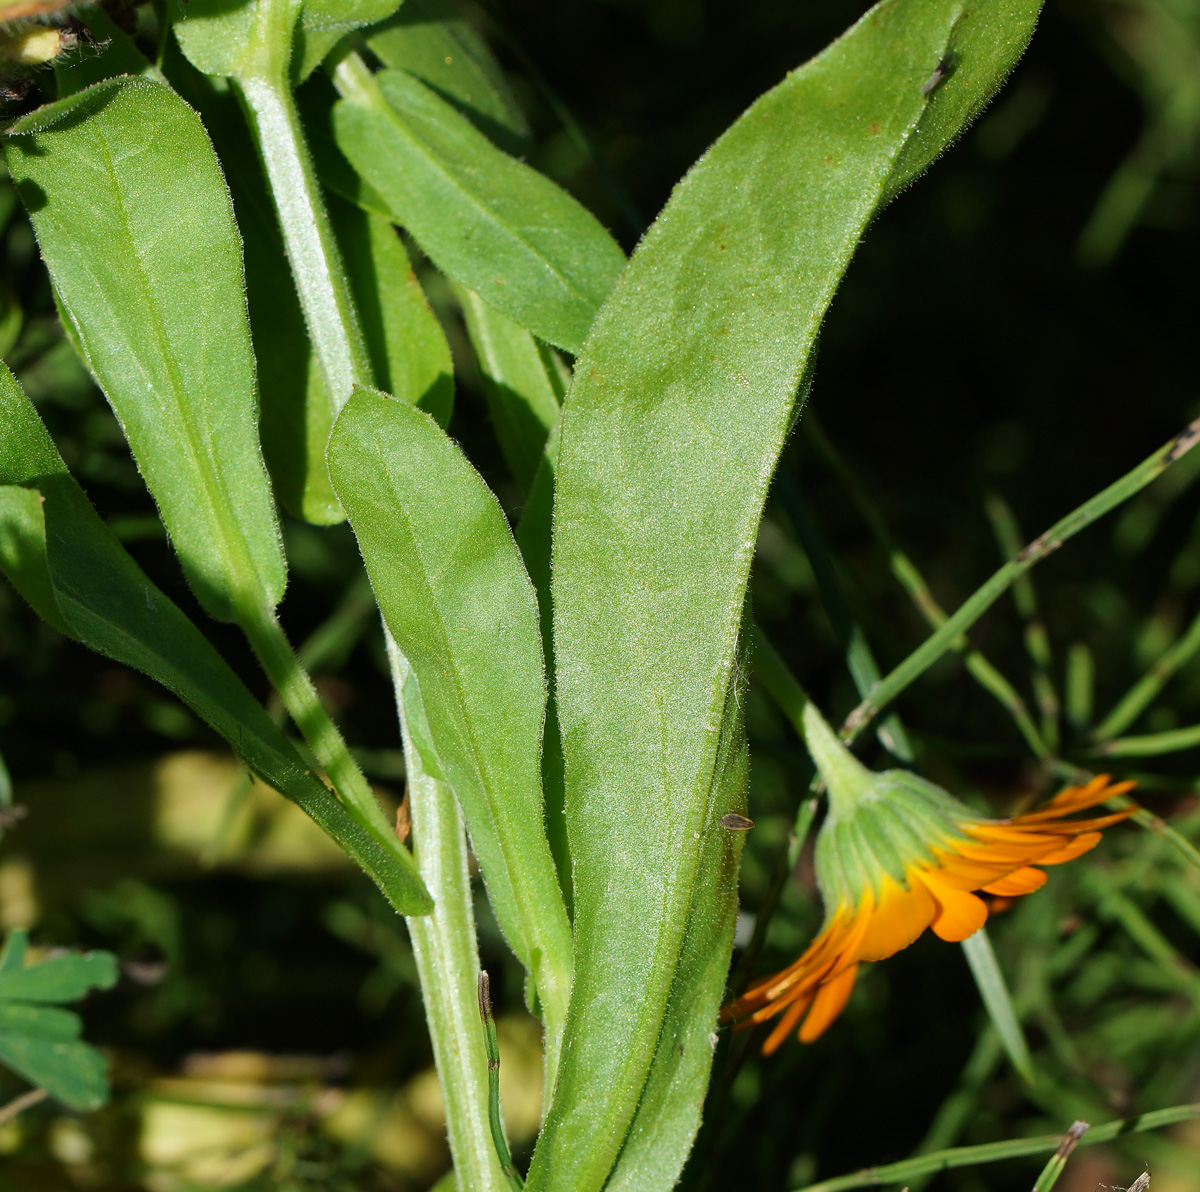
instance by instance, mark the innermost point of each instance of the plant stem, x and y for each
(991, 1152)
(492, 1044)
(316, 262)
(922, 658)
(1058, 1160)
(300, 697)
(444, 947)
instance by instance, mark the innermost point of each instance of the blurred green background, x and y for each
(1020, 327)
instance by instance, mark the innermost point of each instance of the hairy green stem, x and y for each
(444, 947)
(922, 658)
(303, 704)
(316, 262)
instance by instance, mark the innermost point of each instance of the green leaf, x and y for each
(680, 405)
(409, 352)
(134, 221)
(449, 582)
(668, 1113)
(42, 1043)
(521, 385)
(998, 1001)
(434, 41)
(486, 220)
(323, 23)
(108, 603)
(23, 552)
(64, 978)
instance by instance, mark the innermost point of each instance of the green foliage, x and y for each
(59, 546)
(134, 221)
(457, 601)
(574, 696)
(488, 221)
(682, 399)
(41, 1042)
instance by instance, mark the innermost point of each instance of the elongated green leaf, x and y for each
(109, 604)
(409, 352)
(323, 23)
(134, 221)
(520, 384)
(488, 221)
(449, 582)
(681, 401)
(668, 1114)
(433, 40)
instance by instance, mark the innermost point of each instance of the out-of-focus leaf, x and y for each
(449, 582)
(134, 222)
(681, 402)
(108, 603)
(409, 352)
(42, 1043)
(433, 40)
(64, 978)
(488, 221)
(521, 385)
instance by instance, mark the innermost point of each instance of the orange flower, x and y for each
(897, 854)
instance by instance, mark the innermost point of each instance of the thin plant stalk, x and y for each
(1058, 1161)
(922, 658)
(321, 282)
(447, 959)
(993, 1152)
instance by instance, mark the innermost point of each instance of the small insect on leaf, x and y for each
(944, 67)
(732, 822)
(1141, 1184)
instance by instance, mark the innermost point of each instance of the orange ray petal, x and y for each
(1058, 807)
(786, 1024)
(1023, 881)
(901, 917)
(1071, 793)
(959, 914)
(1088, 825)
(830, 1001)
(1071, 850)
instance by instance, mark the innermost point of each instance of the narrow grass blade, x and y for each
(921, 659)
(994, 990)
(1058, 1161)
(993, 1152)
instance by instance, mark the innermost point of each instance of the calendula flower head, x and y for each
(895, 855)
